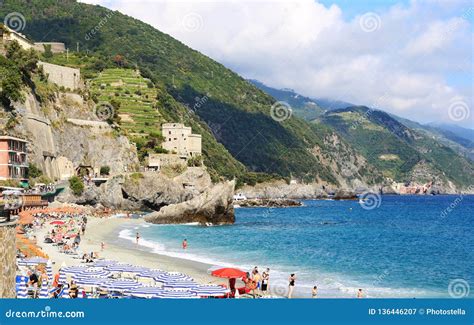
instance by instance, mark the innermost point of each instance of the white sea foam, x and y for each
(329, 285)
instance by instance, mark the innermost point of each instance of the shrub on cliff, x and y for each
(76, 185)
(105, 170)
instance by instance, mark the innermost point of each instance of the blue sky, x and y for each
(408, 57)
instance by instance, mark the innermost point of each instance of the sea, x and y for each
(398, 247)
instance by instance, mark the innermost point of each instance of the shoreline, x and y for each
(103, 230)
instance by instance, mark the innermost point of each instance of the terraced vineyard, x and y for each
(138, 110)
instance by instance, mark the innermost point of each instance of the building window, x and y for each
(169, 139)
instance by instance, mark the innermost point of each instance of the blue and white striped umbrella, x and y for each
(150, 274)
(62, 278)
(176, 294)
(210, 291)
(32, 261)
(65, 292)
(90, 282)
(183, 284)
(120, 285)
(49, 271)
(172, 276)
(73, 269)
(93, 273)
(144, 292)
(21, 290)
(104, 263)
(127, 268)
(44, 291)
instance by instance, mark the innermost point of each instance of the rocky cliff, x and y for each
(212, 207)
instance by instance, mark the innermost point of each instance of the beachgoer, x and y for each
(32, 279)
(185, 243)
(291, 284)
(314, 292)
(360, 294)
(56, 280)
(265, 279)
(137, 237)
(102, 246)
(256, 279)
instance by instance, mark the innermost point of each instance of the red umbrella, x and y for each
(229, 273)
(57, 222)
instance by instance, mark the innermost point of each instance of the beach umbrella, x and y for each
(144, 292)
(62, 278)
(126, 268)
(32, 261)
(181, 284)
(120, 285)
(65, 292)
(228, 273)
(44, 292)
(176, 294)
(73, 269)
(49, 271)
(93, 273)
(172, 276)
(21, 290)
(150, 274)
(57, 222)
(104, 263)
(210, 290)
(90, 282)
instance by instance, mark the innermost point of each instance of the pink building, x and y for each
(13, 162)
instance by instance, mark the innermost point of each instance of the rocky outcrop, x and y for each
(267, 203)
(282, 190)
(212, 207)
(136, 191)
(344, 194)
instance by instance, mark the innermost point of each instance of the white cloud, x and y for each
(406, 59)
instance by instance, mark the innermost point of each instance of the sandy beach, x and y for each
(103, 230)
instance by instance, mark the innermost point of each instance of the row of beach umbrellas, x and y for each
(99, 276)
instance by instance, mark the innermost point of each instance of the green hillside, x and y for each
(138, 110)
(394, 148)
(302, 106)
(236, 112)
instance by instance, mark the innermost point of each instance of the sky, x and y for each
(412, 58)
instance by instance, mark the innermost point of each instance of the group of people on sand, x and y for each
(257, 283)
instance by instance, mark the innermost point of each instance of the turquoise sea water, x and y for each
(410, 246)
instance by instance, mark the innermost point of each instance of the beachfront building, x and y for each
(13, 158)
(180, 140)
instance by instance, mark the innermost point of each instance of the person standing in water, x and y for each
(291, 285)
(314, 292)
(137, 237)
(360, 294)
(265, 279)
(185, 243)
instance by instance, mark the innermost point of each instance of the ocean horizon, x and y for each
(405, 247)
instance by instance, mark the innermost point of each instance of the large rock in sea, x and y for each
(213, 206)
